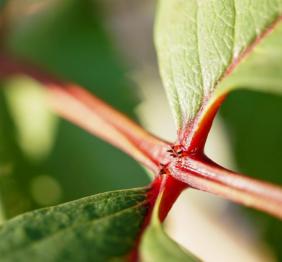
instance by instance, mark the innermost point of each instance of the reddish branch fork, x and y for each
(175, 166)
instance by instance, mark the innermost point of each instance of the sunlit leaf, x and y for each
(200, 42)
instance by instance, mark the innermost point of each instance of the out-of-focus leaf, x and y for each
(27, 103)
(2, 3)
(69, 40)
(254, 125)
(198, 42)
(156, 245)
(96, 228)
(14, 195)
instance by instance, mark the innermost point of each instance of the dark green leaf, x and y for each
(96, 228)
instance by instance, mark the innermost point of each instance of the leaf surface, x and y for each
(102, 227)
(200, 42)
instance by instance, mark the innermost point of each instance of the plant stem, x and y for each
(192, 168)
(87, 111)
(194, 134)
(209, 177)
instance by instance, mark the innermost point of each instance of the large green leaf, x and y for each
(96, 228)
(199, 41)
(156, 245)
(212, 47)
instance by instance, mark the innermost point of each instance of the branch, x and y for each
(87, 111)
(214, 179)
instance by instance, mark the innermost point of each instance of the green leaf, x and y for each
(210, 47)
(156, 245)
(199, 41)
(96, 228)
(27, 101)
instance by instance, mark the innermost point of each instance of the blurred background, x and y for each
(107, 47)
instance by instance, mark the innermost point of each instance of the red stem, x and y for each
(89, 112)
(161, 184)
(194, 135)
(210, 177)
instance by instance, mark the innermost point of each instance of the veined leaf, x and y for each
(96, 228)
(262, 68)
(200, 42)
(156, 245)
